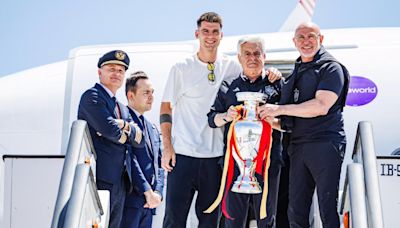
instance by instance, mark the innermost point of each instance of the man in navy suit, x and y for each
(110, 129)
(148, 183)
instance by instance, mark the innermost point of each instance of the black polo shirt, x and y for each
(310, 77)
(227, 96)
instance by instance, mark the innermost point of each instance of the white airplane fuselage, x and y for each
(40, 104)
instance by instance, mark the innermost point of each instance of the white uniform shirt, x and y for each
(191, 96)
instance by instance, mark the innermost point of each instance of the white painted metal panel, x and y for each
(389, 181)
(31, 186)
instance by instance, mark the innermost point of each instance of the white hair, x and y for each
(251, 39)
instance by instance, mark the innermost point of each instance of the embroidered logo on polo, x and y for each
(296, 93)
(270, 91)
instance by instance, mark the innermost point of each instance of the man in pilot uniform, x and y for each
(110, 129)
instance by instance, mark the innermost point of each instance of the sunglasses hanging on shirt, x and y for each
(211, 75)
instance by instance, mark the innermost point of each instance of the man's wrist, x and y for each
(158, 193)
(168, 145)
(147, 193)
(225, 117)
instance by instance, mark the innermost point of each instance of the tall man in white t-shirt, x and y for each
(192, 150)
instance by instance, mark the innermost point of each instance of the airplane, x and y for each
(40, 104)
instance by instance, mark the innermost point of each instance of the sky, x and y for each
(35, 33)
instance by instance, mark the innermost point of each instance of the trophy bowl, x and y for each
(248, 132)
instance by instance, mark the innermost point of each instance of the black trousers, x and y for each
(117, 200)
(137, 218)
(189, 175)
(283, 195)
(316, 164)
(283, 198)
(238, 204)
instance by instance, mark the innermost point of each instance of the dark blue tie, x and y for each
(148, 147)
(141, 126)
(146, 135)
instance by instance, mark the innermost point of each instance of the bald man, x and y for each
(312, 104)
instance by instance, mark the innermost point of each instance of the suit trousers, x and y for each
(137, 218)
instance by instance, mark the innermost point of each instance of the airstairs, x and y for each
(78, 202)
(53, 190)
(370, 195)
(361, 202)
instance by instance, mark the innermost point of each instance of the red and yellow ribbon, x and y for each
(227, 173)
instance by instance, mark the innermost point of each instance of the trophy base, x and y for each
(246, 187)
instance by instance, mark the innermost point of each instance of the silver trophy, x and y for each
(248, 135)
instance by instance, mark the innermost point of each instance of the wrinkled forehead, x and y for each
(251, 46)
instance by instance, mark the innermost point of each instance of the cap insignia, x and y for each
(120, 55)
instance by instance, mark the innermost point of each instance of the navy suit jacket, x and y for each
(150, 174)
(98, 109)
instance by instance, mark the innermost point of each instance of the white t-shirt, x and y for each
(191, 96)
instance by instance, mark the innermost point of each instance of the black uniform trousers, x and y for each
(315, 164)
(189, 175)
(283, 194)
(117, 200)
(237, 204)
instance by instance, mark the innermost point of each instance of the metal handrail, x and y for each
(79, 140)
(83, 176)
(364, 154)
(357, 193)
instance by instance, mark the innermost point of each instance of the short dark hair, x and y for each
(131, 81)
(209, 17)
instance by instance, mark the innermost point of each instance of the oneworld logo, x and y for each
(361, 91)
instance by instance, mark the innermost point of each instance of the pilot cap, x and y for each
(114, 57)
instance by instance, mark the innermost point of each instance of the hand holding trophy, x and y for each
(249, 144)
